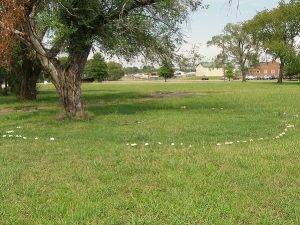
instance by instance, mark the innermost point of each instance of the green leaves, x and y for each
(123, 28)
(97, 68)
(237, 46)
(166, 70)
(277, 29)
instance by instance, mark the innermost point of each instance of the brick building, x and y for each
(269, 69)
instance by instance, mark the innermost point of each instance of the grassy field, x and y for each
(90, 173)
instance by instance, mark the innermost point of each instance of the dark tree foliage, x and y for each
(97, 68)
(166, 70)
(115, 71)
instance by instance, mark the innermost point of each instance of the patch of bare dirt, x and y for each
(23, 109)
(175, 94)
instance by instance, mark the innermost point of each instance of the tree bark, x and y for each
(69, 90)
(243, 70)
(281, 73)
(244, 77)
(29, 77)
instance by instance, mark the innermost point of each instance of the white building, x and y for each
(207, 70)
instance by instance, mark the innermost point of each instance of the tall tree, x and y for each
(126, 28)
(277, 30)
(236, 46)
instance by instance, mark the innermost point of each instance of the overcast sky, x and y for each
(206, 23)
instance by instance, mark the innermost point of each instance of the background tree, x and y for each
(292, 66)
(229, 71)
(189, 60)
(97, 68)
(195, 58)
(125, 28)
(131, 70)
(236, 46)
(28, 69)
(115, 71)
(148, 69)
(166, 70)
(182, 62)
(277, 30)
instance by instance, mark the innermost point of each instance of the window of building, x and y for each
(272, 71)
(265, 71)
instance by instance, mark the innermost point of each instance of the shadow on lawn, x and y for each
(106, 102)
(134, 103)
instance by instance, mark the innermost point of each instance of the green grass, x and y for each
(88, 175)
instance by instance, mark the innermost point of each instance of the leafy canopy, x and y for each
(126, 28)
(277, 29)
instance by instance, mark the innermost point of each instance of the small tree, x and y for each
(97, 68)
(166, 70)
(115, 71)
(229, 71)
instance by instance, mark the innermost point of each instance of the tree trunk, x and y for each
(243, 70)
(281, 73)
(69, 90)
(5, 90)
(30, 74)
(244, 75)
(1, 82)
(66, 78)
(244, 78)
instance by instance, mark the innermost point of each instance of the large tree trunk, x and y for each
(69, 90)
(281, 73)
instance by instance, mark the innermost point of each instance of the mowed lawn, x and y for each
(90, 175)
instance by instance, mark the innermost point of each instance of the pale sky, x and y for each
(206, 23)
